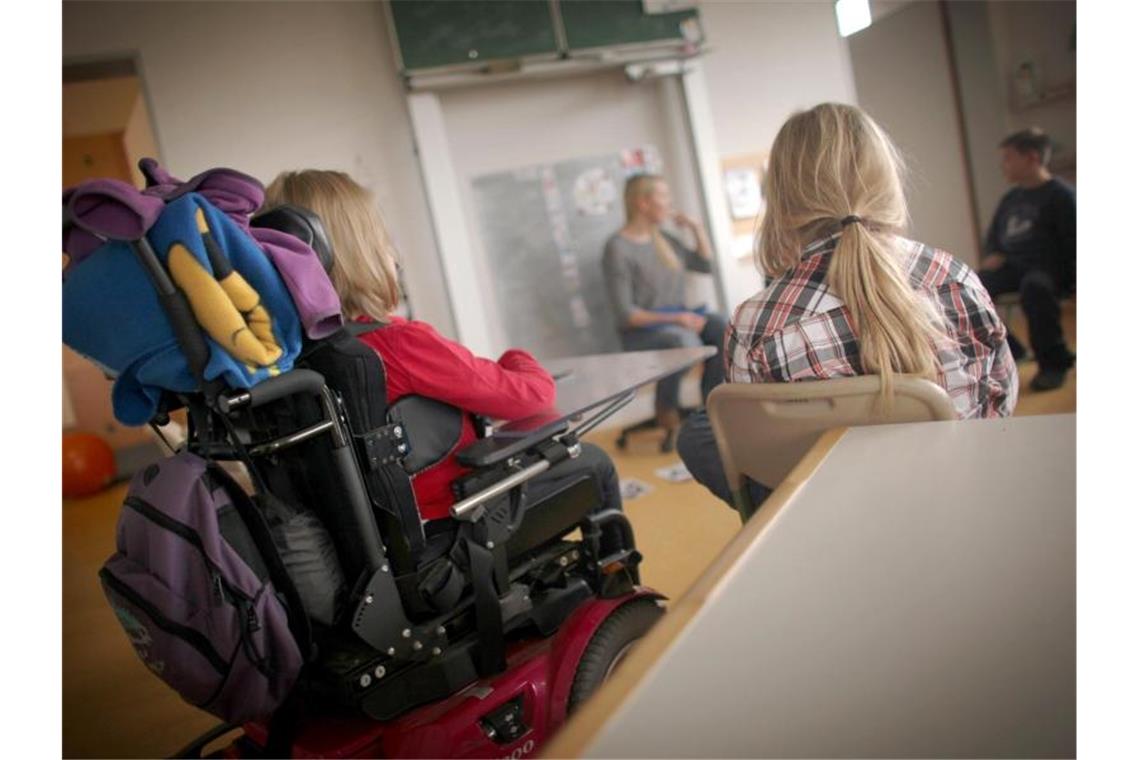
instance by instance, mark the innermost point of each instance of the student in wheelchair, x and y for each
(418, 361)
(415, 555)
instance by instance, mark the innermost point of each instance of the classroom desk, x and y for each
(910, 590)
(590, 382)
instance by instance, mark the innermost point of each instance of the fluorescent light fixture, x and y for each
(852, 15)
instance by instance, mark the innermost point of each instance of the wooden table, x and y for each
(910, 590)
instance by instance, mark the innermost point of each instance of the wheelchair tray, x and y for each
(508, 441)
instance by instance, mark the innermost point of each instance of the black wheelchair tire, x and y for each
(610, 642)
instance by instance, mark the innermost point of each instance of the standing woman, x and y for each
(645, 276)
(848, 294)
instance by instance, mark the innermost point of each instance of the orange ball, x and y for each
(88, 464)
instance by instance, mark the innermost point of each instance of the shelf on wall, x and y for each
(1056, 94)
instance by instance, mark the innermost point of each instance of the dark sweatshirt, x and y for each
(1037, 229)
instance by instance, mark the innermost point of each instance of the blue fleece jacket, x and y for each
(111, 312)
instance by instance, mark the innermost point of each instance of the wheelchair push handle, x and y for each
(294, 382)
(177, 310)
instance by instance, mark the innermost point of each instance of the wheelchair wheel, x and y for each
(610, 644)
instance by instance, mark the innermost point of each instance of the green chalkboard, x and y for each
(434, 33)
(601, 23)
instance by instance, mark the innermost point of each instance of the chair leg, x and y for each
(743, 502)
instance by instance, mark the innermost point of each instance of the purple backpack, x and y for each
(195, 582)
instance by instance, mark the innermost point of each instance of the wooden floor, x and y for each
(114, 707)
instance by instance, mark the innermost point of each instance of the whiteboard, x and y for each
(543, 229)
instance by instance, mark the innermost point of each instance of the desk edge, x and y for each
(580, 732)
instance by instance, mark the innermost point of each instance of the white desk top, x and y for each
(915, 596)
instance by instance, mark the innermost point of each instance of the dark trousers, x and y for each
(596, 463)
(697, 446)
(592, 461)
(1042, 310)
(675, 336)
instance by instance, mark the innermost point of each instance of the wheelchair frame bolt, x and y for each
(436, 651)
(441, 630)
(379, 672)
(365, 680)
(391, 651)
(417, 646)
(368, 599)
(398, 431)
(574, 555)
(563, 561)
(490, 544)
(383, 568)
(407, 634)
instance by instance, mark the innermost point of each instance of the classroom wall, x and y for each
(984, 104)
(1040, 31)
(766, 61)
(264, 87)
(903, 78)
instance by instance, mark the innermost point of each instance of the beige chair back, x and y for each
(764, 429)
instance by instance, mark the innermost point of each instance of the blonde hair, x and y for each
(828, 164)
(364, 259)
(640, 186)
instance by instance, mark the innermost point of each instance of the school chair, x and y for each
(763, 429)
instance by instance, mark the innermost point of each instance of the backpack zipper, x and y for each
(149, 512)
(192, 637)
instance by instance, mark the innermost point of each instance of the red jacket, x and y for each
(420, 361)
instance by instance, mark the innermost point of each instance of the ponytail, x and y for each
(895, 327)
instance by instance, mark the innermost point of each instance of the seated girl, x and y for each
(644, 268)
(417, 359)
(847, 294)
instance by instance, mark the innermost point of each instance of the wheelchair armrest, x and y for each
(507, 443)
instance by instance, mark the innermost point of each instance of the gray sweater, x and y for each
(636, 278)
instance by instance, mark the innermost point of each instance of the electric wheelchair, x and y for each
(472, 637)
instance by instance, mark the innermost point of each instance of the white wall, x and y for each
(1039, 30)
(264, 87)
(984, 105)
(902, 75)
(766, 61)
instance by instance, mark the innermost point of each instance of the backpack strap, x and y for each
(255, 521)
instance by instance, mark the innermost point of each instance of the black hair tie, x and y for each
(850, 220)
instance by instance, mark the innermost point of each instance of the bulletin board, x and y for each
(743, 183)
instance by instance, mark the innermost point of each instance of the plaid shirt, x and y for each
(798, 329)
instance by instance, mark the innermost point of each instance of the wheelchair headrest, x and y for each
(300, 223)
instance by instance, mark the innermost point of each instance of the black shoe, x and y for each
(1048, 379)
(1016, 348)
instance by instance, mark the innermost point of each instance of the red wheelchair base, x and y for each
(509, 715)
